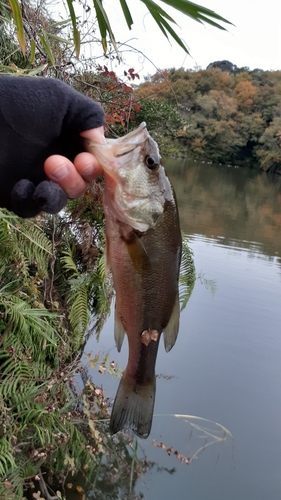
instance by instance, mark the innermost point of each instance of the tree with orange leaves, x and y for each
(245, 94)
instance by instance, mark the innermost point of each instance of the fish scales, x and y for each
(143, 250)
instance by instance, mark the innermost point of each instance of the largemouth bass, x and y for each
(143, 250)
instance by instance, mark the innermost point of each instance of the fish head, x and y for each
(136, 183)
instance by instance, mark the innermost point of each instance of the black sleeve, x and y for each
(38, 117)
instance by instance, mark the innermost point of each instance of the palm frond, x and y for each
(163, 20)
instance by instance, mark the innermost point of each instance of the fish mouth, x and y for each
(108, 154)
(133, 138)
(128, 143)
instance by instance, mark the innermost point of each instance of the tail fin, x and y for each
(133, 406)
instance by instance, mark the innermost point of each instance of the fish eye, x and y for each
(151, 163)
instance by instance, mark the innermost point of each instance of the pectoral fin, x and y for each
(138, 253)
(119, 332)
(170, 332)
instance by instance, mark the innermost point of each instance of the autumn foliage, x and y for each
(228, 116)
(116, 95)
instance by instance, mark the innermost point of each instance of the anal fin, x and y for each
(119, 331)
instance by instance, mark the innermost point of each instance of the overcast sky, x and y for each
(254, 41)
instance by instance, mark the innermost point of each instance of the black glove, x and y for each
(39, 117)
(29, 201)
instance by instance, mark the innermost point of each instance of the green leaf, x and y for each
(127, 13)
(76, 38)
(59, 39)
(190, 9)
(197, 12)
(59, 23)
(152, 6)
(68, 262)
(187, 273)
(32, 51)
(35, 236)
(45, 42)
(104, 25)
(164, 25)
(8, 69)
(19, 23)
(79, 316)
(35, 71)
(76, 34)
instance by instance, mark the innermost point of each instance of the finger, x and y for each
(85, 163)
(95, 135)
(60, 170)
(87, 166)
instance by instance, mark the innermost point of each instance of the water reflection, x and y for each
(221, 203)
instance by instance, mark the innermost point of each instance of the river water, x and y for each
(226, 364)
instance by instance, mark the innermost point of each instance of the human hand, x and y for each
(68, 180)
(42, 124)
(74, 177)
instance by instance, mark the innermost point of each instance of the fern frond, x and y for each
(17, 477)
(22, 243)
(25, 319)
(37, 408)
(7, 461)
(29, 231)
(68, 262)
(187, 274)
(79, 316)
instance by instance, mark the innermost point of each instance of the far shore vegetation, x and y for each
(222, 114)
